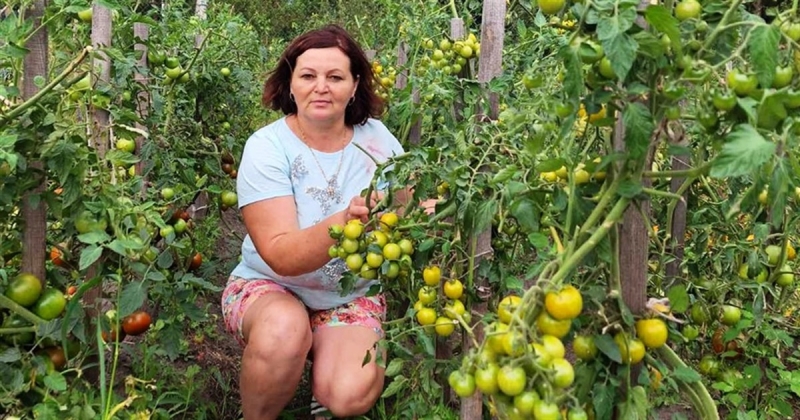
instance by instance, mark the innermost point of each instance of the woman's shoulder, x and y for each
(375, 128)
(270, 135)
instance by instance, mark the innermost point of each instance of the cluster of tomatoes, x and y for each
(721, 322)
(48, 304)
(228, 165)
(582, 174)
(521, 364)
(172, 66)
(26, 291)
(783, 276)
(440, 314)
(114, 329)
(450, 57)
(386, 78)
(383, 253)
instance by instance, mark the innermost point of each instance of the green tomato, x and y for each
(462, 383)
(544, 410)
(605, 68)
(688, 9)
(786, 276)
(724, 101)
(50, 305)
(783, 77)
(741, 83)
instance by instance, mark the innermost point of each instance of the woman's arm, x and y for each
(287, 249)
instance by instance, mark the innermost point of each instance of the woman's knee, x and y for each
(278, 329)
(349, 393)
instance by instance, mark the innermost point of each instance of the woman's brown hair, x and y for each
(366, 104)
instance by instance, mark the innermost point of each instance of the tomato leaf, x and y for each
(538, 240)
(651, 47)
(762, 45)
(635, 406)
(621, 51)
(89, 255)
(484, 215)
(629, 189)
(526, 213)
(639, 127)
(686, 374)
(744, 151)
(603, 398)
(663, 21)
(94, 237)
(751, 376)
(395, 367)
(550, 165)
(397, 384)
(10, 355)
(573, 73)
(607, 345)
(778, 188)
(170, 339)
(505, 174)
(132, 298)
(678, 298)
(55, 381)
(426, 342)
(793, 379)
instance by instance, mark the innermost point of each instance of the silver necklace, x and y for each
(331, 190)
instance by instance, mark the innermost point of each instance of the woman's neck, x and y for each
(323, 136)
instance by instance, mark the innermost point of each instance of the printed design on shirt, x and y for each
(326, 196)
(332, 272)
(298, 168)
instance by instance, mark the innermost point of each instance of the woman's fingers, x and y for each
(429, 206)
(358, 206)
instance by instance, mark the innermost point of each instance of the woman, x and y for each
(299, 176)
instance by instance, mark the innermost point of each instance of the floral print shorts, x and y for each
(240, 293)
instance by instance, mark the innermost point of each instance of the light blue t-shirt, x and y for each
(277, 163)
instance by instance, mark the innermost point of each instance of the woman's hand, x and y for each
(357, 209)
(429, 205)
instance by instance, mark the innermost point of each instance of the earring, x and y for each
(352, 100)
(291, 96)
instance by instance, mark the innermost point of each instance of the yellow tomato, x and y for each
(507, 307)
(453, 289)
(426, 316)
(432, 275)
(653, 332)
(565, 304)
(549, 325)
(444, 326)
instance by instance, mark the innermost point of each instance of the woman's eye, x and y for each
(307, 76)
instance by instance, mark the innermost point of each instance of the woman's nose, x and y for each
(322, 84)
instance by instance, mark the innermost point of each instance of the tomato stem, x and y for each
(18, 110)
(17, 330)
(614, 215)
(705, 404)
(722, 26)
(20, 310)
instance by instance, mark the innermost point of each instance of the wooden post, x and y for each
(141, 31)
(678, 233)
(489, 67)
(200, 11)
(415, 131)
(456, 33)
(34, 208)
(101, 38)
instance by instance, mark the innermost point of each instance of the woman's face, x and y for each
(322, 84)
